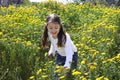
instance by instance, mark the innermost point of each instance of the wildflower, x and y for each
(118, 66)
(110, 60)
(5, 39)
(92, 65)
(83, 38)
(58, 70)
(76, 72)
(1, 33)
(103, 53)
(28, 43)
(39, 71)
(44, 69)
(84, 79)
(77, 45)
(60, 67)
(44, 76)
(100, 78)
(17, 41)
(118, 56)
(46, 54)
(81, 77)
(86, 47)
(106, 79)
(57, 66)
(38, 47)
(95, 63)
(31, 77)
(94, 54)
(62, 77)
(83, 62)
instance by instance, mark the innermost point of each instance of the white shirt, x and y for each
(68, 50)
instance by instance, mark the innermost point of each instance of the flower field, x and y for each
(95, 30)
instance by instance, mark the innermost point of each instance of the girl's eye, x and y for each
(56, 27)
(53, 27)
(50, 28)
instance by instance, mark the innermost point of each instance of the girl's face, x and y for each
(53, 29)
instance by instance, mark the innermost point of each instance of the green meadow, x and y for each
(94, 29)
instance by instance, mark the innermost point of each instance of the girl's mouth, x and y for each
(54, 33)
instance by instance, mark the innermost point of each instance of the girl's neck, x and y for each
(54, 37)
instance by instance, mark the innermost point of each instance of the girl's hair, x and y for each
(61, 35)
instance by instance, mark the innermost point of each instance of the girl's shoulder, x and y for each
(67, 34)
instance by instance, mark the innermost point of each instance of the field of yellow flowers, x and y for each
(95, 30)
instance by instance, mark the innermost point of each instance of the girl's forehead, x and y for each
(53, 24)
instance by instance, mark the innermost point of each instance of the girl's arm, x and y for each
(69, 52)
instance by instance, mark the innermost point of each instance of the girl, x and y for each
(61, 44)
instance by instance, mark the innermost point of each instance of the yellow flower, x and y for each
(17, 41)
(86, 47)
(46, 54)
(106, 79)
(100, 78)
(83, 62)
(92, 67)
(118, 66)
(58, 70)
(76, 72)
(84, 79)
(1, 33)
(31, 77)
(118, 56)
(38, 47)
(39, 71)
(5, 39)
(62, 77)
(28, 43)
(83, 38)
(103, 53)
(59, 67)
(44, 76)
(95, 63)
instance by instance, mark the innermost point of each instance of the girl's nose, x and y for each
(54, 30)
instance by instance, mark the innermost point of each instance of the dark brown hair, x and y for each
(61, 35)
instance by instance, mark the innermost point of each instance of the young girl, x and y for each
(61, 44)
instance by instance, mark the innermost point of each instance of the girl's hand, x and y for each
(51, 56)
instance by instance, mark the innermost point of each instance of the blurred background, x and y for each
(105, 2)
(94, 27)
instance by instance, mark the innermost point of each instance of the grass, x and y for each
(94, 30)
